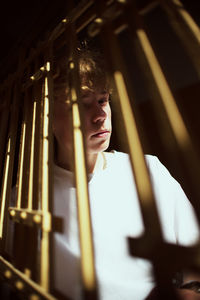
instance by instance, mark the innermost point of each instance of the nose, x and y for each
(99, 114)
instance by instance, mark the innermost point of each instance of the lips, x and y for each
(101, 134)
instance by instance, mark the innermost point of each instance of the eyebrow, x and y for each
(86, 94)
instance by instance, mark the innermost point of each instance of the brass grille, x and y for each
(26, 138)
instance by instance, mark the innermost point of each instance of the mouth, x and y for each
(101, 134)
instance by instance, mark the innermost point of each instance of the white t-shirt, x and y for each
(116, 215)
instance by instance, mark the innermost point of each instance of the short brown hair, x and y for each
(92, 71)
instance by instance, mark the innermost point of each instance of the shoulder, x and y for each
(116, 157)
(118, 161)
(161, 179)
(156, 168)
(150, 159)
(153, 163)
(160, 175)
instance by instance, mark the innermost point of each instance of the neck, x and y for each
(95, 161)
(64, 158)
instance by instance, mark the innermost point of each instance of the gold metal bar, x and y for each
(46, 173)
(44, 265)
(37, 145)
(167, 98)
(13, 274)
(21, 161)
(30, 189)
(86, 244)
(84, 218)
(4, 188)
(143, 183)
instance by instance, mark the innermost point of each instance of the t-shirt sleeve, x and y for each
(173, 203)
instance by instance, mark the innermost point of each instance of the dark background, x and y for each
(24, 22)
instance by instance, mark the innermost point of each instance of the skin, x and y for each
(97, 127)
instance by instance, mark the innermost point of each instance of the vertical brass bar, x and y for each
(169, 103)
(44, 267)
(49, 56)
(4, 188)
(21, 161)
(45, 173)
(83, 206)
(37, 149)
(144, 188)
(87, 255)
(46, 192)
(30, 188)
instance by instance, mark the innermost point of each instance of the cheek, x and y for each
(60, 115)
(61, 122)
(86, 120)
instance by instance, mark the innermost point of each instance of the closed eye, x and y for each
(88, 99)
(103, 101)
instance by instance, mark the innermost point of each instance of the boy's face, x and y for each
(97, 121)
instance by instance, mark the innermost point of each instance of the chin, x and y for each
(98, 148)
